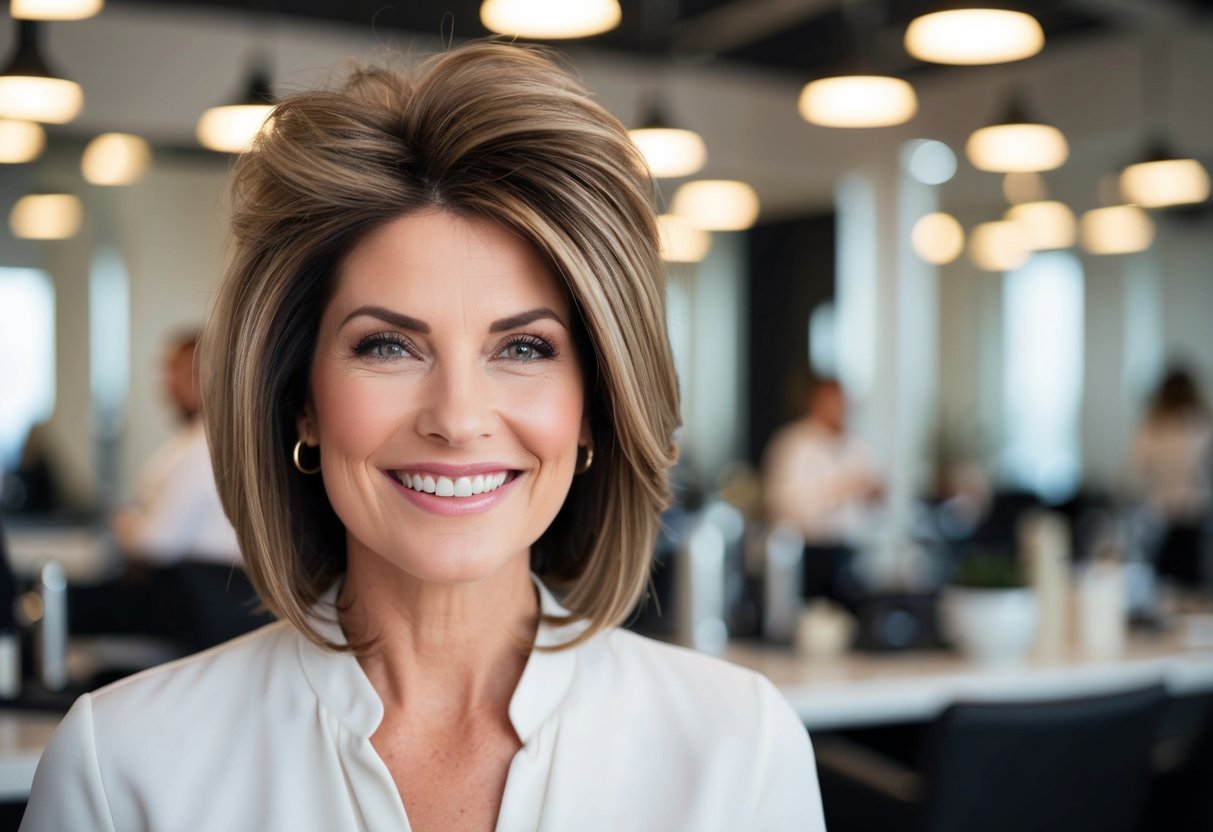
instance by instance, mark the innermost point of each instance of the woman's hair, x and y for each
(486, 130)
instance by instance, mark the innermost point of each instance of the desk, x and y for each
(86, 554)
(858, 690)
(23, 735)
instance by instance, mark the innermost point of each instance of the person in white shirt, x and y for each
(822, 482)
(441, 401)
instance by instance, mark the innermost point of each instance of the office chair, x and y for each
(1080, 764)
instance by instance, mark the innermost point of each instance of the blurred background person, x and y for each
(177, 515)
(822, 482)
(1172, 457)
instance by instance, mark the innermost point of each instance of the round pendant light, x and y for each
(1046, 225)
(1017, 143)
(717, 204)
(46, 217)
(670, 151)
(115, 159)
(1119, 229)
(55, 9)
(1162, 179)
(550, 19)
(20, 141)
(858, 101)
(232, 128)
(30, 90)
(937, 238)
(969, 37)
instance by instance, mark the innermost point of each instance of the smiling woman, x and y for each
(439, 391)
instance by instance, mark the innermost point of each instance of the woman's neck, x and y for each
(442, 652)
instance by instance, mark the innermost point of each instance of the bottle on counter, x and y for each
(51, 637)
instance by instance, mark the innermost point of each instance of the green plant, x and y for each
(984, 570)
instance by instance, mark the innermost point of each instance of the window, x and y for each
(27, 354)
(1042, 393)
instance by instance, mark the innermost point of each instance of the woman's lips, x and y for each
(454, 495)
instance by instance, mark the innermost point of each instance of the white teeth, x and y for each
(456, 487)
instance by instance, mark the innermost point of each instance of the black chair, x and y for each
(1073, 765)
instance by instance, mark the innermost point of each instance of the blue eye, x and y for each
(527, 348)
(383, 347)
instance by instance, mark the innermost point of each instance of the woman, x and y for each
(437, 363)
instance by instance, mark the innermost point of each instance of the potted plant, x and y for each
(988, 611)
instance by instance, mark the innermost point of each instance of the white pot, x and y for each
(993, 626)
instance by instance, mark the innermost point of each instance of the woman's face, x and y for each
(446, 397)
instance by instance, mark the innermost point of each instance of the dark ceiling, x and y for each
(804, 37)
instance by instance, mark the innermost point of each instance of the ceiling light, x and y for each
(858, 101)
(717, 204)
(55, 9)
(550, 19)
(46, 217)
(681, 240)
(670, 151)
(20, 141)
(115, 159)
(974, 36)
(1161, 179)
(1024, 186)
(232, 128)
(1121, 229)
(1017, 142)
(929, 161)
(29, 90)
(998, 246)
(1046, 225)
(938, 238)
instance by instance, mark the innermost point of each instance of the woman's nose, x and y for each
(456, 409)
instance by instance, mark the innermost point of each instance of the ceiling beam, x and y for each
(743, 22)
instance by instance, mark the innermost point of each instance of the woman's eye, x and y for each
(381, 348)
(527, 351)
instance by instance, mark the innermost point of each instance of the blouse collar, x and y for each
(341, 685)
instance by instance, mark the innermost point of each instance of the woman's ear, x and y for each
(305, 426)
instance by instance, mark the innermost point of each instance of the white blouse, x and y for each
(270, 732)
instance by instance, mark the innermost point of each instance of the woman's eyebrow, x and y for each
(524, 318)
(388, 316)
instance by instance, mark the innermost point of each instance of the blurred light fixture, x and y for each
(670, 151)
(974, 36)
(1017, 142)
(1120, 229)
(717, 204)
(46, 217)
(55, 9)
(929, 161)
(115, 159)
(998, 246)
(1162, 179)
(30, 90)
(858, 101)
(232, 128)
(550, 19)
(1046, 225)
(937, 238)
(20, 141)
(1024, 186)
(681, 240)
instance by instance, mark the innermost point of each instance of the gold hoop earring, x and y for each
(299, 465)
(587, 462)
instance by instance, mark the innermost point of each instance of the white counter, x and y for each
(857, 690)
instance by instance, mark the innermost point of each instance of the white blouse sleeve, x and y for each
(787, 796)
(67, 794)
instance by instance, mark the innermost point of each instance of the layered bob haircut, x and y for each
(486, 130)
